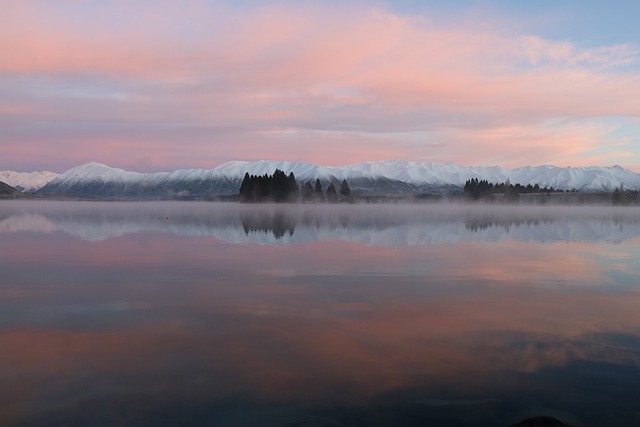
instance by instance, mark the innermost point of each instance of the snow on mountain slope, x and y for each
(99, 180)
(27, 181)
(93, 171)
(383, 176)
(302, 170)
(428, 173)
(583, 179)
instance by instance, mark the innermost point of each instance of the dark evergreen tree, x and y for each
(263, 188)
(345, 191)
(279, 186)
(318, 194)
(625, 197)
(307, 192)
(616, 198)
(474, 189)
(269, 188)
(245, 188)
(292, 187)
(332, 195)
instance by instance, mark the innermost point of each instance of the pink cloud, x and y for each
(336, 75)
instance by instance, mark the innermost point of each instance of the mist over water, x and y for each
(162, 314)
(397, 224)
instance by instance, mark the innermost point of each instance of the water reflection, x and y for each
(155, 316)
(379, 225)
(278, 222)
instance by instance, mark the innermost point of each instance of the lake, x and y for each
(223, 314)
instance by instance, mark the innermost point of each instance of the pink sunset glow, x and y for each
(158, 86)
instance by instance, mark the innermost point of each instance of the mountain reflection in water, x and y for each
(161, 314)
(370, 224)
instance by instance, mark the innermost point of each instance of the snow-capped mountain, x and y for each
(98, 180)
(384, 177)
(27, 181)
(448, 174)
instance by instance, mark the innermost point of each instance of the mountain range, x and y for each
(369, 178)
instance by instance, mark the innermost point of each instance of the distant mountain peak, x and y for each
(99, 171)
(27, 181)
(95, 164)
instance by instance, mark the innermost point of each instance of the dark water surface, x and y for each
(205, 314)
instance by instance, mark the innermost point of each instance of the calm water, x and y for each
(204, 314)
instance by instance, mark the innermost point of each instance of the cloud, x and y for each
(335, 74)
(538, 50)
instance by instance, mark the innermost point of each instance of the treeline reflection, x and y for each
(396, 225)
(483, 224)
(277, 223)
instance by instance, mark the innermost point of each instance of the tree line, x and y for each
(280, 188)
(475, 189)
(625, 197)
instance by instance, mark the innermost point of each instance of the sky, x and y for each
(162, 85)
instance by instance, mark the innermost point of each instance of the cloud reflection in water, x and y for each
(394, 315)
